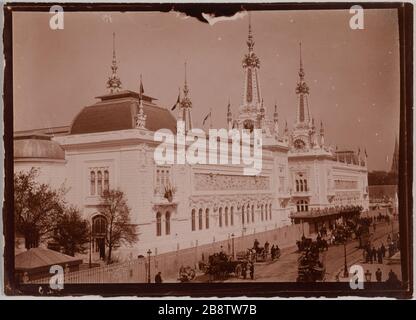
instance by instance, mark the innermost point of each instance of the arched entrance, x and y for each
(99, 230)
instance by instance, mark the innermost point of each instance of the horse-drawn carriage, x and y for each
(310, 268)
(221, 266)
(307, 244)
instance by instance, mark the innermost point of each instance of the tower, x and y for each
(186, 105)
(395, 162)
(304, 134)
(114, 82)
(251, 108)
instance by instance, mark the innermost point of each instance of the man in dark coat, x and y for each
(383, 250)
(158, 277)
(379, 256)
(374, 254)
(378, 275)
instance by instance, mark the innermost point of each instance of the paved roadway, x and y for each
(285, 268)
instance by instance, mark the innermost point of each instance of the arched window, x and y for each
(242, 215)
(262, 213)
(297, 185)
(100, 183)
(270, 211)
(305, 184)
(167, 222)
(193, 219)
(158, 224)
(248, 214)
(207, 219)
(226, 216)
(106, 180)
(99, 226)
(232, 216)
(252, 213)
(301, 185)
(220, 217)
(92, 183)
(200, 219)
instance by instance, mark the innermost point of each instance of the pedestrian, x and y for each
(365, 257)
(252, 271)
(378, 275)
(379, 256)
(158, 277)
(272, 252)
(368, 275)
(383, 250)
(374, 253)
(374, 227)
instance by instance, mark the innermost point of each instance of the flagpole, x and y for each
(210, 118)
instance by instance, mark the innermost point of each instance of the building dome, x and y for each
(37, 147)
(117, 111)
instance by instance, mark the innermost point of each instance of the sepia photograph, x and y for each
(165, 145)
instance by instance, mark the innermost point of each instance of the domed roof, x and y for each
(37, 146)
(117, 111)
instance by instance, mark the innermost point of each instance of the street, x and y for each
(285, 268)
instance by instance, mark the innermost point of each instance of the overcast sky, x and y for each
(353, 75)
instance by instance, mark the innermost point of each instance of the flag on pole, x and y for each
(177, 101)
(206, 118)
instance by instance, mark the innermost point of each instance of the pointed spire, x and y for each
(186, 103)
(250, 41)
(229, 114)
(141, 88)
(114, 82)
(302, 90)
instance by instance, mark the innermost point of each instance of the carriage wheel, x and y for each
(238, 270)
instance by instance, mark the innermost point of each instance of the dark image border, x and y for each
(269, 289)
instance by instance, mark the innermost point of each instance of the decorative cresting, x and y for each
(186, 105)
(215, 182)
(251, 64)
(114, 82)
(302, 89)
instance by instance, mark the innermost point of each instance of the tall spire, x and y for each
(229, 115)
(395, 162)
(302, 89)
(250, 109)
(186, 104)
(276, 120)
(114, 82)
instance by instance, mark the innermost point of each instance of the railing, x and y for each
(133, 271)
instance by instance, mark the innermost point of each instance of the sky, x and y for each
(353, 75)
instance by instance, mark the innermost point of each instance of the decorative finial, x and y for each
(114, 82)
(301, 71)
(141, 117)
(186, 101)
(141, 89)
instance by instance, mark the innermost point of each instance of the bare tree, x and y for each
(117, 213)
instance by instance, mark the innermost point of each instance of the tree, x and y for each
(72, 232)
(36, 207)
(117, 213)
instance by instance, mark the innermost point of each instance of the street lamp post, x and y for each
(149, 252)
(232, 245)
(346, 273)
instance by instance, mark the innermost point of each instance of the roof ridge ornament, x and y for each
(114, 82)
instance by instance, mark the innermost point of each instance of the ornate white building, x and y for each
(326, 184)
(110, 145)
